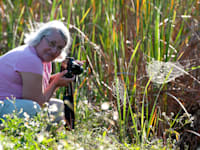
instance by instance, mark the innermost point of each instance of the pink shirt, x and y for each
(21, 59)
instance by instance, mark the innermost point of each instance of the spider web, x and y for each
(118, 88)
(163, 72)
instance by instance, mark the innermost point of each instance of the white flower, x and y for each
(115, 115)
(26, 115)
(105, 106)
(1, 147)
(85, 102)
(40, 138)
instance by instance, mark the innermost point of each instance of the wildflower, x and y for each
(85, 102)
(26, 115)
(115, 115)
(1, 147)
(105, 106)
(40, 138)
(52, 117)
(81, 148)
(27, 125)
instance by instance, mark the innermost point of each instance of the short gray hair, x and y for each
(34, 37)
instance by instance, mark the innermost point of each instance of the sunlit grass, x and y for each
(117, 39)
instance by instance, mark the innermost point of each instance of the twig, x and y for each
(193, 132)
(179, 104)
(95, 46)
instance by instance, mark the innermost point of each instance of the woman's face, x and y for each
(50, 46)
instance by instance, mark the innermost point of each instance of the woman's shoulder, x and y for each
(19, 51)
(27, 53)
(28, 61)
(14, 54)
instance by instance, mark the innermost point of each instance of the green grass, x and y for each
(117, 38)
(90, 133)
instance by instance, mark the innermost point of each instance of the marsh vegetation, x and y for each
(140, 88)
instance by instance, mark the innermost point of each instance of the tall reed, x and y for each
(117, 38)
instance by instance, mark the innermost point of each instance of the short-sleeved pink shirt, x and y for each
(20, 59)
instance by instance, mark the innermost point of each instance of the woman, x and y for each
(25, 72)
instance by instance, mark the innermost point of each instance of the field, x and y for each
(140, 88)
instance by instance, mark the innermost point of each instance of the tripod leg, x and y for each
(69, 107)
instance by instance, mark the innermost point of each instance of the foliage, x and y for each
(118, 39)
(90, 132)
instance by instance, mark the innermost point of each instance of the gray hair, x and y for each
(34, 37)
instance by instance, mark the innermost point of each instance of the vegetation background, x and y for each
(118, 104)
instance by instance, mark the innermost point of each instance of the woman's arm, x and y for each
(32, 86)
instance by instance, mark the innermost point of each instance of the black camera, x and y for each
(73, 68)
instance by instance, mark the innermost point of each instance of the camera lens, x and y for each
(73, 68)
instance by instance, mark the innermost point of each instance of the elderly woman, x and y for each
(26, 82)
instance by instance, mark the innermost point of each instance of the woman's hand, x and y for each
(60, 81)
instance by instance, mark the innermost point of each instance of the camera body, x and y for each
(73, 68)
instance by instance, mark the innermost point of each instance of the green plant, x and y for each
(118, 39)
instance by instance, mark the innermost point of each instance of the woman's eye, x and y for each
(52, 44)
